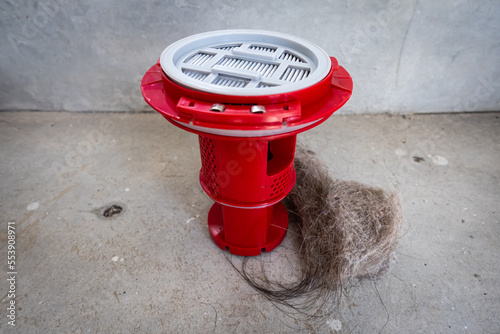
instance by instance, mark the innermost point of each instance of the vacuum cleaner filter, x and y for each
(246, 93)
(245, 63)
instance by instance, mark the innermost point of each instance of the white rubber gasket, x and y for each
(245, 133)
(245, 62)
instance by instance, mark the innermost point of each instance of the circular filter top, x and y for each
(245, 62)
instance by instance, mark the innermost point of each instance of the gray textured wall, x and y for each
(404, 56)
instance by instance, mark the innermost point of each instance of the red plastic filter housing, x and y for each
(246, 93)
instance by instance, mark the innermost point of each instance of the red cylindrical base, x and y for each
(247, 178)
(248, 232)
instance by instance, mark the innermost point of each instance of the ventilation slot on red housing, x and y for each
(208, 166)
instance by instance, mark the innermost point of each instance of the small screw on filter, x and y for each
(218, 107)
(258, 110)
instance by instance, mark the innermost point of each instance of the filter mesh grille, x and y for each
(262, 48)
(208, 167)
(244, 62)
(227, 47)
(266, 70)
(195, 74)
(293, 74)
(227, 81)
(291, 57)
(199, 58)
(280, 183)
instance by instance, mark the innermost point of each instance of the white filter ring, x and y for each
(245, 62)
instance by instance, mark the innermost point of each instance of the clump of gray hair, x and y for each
(346, 231)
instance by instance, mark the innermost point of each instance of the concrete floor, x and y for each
(154, 269)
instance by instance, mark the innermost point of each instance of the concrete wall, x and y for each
(404, 56)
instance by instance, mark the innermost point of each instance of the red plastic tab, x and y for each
(341, 79)
(239, 115)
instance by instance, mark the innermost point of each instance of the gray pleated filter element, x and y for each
(245, 62)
